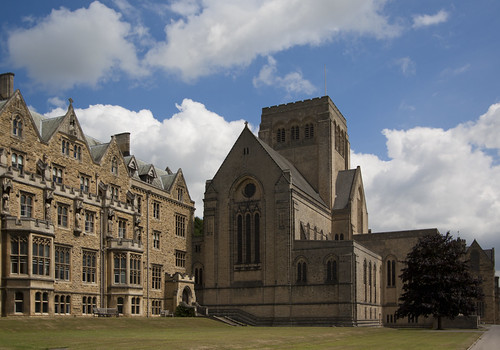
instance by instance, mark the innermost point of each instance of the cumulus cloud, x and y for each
(407, 66)
(194, 139)
(75, 47)
(89, 45)
(218, 34)
(438, 178)
(292, 82)
(432, 178)
(429, 20)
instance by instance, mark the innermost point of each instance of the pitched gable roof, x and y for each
(489, 253)
(18, 101)
(297, 180)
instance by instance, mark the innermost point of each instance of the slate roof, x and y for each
(97, 151)
(37, 119)
(49, 126)
(164, 179)
(343, 188)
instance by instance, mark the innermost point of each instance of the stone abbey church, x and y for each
(286, 238)
(85, 225)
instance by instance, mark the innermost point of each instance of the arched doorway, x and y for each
(187, 295)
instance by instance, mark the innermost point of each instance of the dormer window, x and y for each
(132, 168)
(114, 166)
(149, 176)
(17, 127)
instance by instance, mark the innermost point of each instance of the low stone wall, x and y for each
(462, 322)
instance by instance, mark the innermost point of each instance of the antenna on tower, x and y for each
(325, 80)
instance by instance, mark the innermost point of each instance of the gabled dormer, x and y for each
(67, 124)
(147, 173)
(132, 166)
(179, 189)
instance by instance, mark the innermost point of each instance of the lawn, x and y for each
(200, 333)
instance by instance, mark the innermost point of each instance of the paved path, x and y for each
(490, 340)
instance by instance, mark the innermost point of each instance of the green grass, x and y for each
(199, 333)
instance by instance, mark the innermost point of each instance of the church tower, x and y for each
(312, 135)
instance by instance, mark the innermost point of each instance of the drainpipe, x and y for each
(101, 248)
(147, 254)
(291, 237)
(355, 287)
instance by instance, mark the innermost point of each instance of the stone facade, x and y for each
(84, 223)
(286, 236)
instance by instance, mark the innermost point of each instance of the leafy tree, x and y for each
(436, 280)
(198, 226)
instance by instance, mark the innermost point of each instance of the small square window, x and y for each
(89, 221)
(122, 228)
(84, 183)
(57, 174)
(156, 210)
(17, 161)
(26, 205)
(180, 258)
(62, 215)
(156, 239)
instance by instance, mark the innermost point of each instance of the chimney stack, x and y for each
(123, 141)
(6, 85)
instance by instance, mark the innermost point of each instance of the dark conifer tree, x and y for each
(436, 280)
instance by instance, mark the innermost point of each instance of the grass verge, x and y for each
(200, 333)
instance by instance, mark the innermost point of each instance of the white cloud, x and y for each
(186, 7)
(433, 177)
(225, 34)
(194, 139)
(437, 178)
(67, 48)
(404, 106)
(429, 20)
(455, 71)
(91, 45)
(292, 82)
(408, 67)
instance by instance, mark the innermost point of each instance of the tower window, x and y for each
(331, 271)
(301, 272)
(295, 132)
(391, 273)
(309, 131)
(280, 135)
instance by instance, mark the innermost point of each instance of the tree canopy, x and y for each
(436, 280)
(198, 226)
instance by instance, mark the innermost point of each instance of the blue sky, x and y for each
(416, 80)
